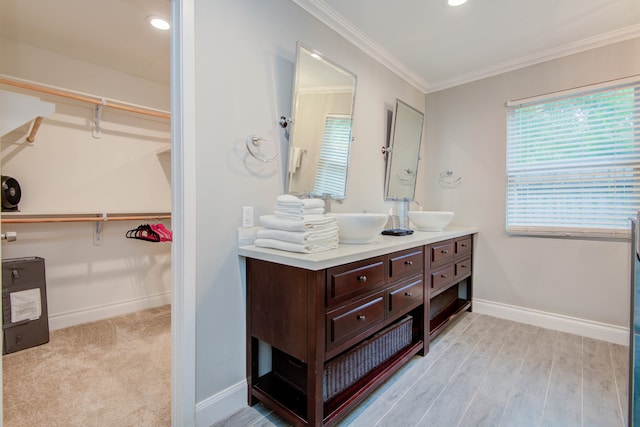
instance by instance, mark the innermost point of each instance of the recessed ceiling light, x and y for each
(158, 22)
(456, 2)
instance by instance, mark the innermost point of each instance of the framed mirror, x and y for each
(320, 136)
(403, 153)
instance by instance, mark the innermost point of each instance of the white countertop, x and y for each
(349, 253)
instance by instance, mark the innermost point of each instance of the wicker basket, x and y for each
(347, 368)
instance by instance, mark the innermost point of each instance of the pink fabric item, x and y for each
(165, 235)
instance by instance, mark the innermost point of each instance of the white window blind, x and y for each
(573, 163)
(331, 175)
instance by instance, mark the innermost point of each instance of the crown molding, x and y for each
(328, 16)
(626, 33)
(335, 21)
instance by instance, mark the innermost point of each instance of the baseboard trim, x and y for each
(587, 328)
(221, 405)
(91, 314)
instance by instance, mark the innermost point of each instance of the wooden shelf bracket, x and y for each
(34, 129)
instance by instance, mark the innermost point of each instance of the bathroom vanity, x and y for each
(334, 325)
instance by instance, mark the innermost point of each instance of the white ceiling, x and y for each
(110, 33)
(431, 44)
(440, 46)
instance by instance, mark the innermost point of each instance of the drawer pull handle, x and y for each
(362, 279)
(361, 317)
(444, 276)
(463, 265)
(409, 263)
(444, 251)
(408, 294)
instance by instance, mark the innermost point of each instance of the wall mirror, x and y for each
(403, 153)
(320, 137)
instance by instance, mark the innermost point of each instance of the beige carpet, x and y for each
(115, 372)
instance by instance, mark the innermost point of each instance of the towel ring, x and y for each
(253, 143)
(448, 180)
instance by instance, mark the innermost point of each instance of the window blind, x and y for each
(333, 161)
(573, 163)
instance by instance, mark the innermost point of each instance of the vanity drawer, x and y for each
(405, 296)
(351, 280)
(463, 268)
(405, 263)
(352, 319)
(463, 246)
(442, 277)
(442, 252)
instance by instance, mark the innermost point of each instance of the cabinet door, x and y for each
(405, 296)
(462, 269)
(354, 319)
(357, 278)
(405, 263)
(442, 277)
(442, 253)
(463, 246)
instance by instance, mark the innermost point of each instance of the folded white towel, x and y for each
(292, 201)
(290, 209)
(314, 236)
(298, 216)
(318, 222)
(306, 248)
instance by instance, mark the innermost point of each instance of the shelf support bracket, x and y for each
(97, 119)
(97, 231)
(34, 129)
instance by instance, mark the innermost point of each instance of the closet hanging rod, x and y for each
(31, 219)
(83, 97)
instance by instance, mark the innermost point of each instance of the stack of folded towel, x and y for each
(298, 225)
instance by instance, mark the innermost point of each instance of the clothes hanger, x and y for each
(165, 235)
(143, 232)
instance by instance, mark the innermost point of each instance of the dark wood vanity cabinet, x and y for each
(448, 268)
(313, 319)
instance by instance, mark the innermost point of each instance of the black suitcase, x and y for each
(26, 321)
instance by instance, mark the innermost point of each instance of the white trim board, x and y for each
(91, 314)
(221, 405)
(586, 328)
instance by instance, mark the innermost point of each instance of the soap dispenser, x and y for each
(402, 210)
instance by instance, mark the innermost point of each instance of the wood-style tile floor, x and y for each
(484, 371)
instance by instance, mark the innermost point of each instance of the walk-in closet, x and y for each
(85, 160)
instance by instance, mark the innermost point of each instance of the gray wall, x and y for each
(466, 131)
(245, 55)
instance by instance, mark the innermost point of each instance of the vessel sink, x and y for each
(359, 228)
(430, 220)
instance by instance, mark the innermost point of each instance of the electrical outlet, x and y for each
(247, 216)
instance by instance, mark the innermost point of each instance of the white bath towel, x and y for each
(285, 209)
(318, 222)
(306, 248)
(299, 216)
(295, 158)
(314, 236)
(289, 200)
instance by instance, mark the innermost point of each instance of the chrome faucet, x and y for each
(327, 202)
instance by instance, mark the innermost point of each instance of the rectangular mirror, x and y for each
(403, 153)
(320, 136)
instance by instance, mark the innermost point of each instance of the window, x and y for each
(333, 161)
(573, 163)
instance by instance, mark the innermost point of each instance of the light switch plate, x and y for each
(247, 216)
